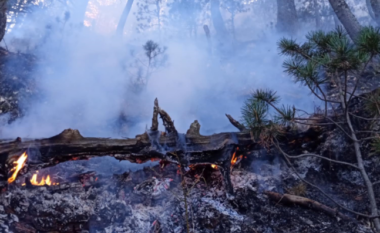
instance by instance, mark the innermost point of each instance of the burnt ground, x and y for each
(102, 202)
(102, 195)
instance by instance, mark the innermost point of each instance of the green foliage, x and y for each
(255, 113)
(267, 96)
(368, 41)
(323, 56)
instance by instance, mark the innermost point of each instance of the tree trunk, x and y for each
(375, 8)
(346, 17)
(287, 21)
(123, 18)
(3, 18)
(217, 18)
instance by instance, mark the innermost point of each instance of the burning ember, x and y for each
(19, 165)
(214, 166)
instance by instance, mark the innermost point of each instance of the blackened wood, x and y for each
(236, 123)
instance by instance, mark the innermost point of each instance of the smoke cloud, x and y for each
(101, 84)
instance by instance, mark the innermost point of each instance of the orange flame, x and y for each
(214, 166)
(235, 159)
(20, 164)
(43, 181)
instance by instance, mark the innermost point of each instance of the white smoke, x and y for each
(86, 75)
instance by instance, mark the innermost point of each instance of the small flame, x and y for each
(235, 159)
(20, 164)
(214, 166)
(44, 181)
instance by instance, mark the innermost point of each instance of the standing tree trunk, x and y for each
(287, 21)
(375, 10)
(346, 17)
(3, 18)
(123, 18)
(217, 18)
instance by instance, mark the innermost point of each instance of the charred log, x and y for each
(156, 109)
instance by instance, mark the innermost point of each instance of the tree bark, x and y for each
(217, 18)
(123, 18)
(375, 10)
(287, 21)
(3, 18)
(346, 17)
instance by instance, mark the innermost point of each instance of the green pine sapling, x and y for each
(324, 59)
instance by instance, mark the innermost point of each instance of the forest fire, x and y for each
(19, 165)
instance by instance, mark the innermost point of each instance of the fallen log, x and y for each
(187, 149)
(306, 202)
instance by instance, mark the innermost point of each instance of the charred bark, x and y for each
(346, 17)
(287, 21)
(124, 16)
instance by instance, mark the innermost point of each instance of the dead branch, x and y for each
(236, 123)
(303, 201)
(168, 122)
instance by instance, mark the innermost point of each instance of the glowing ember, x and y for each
(214, 166)
(19, 165)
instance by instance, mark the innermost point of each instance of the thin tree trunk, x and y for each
(123, 18)
(359, 158)
(217, 18)
(375, 8)
(3, 18)
(287, 21)
(346, 17)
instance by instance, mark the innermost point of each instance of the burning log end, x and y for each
(194, 129)
(236, 123)
(67, 135)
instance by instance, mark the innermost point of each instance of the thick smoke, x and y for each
(93, 80)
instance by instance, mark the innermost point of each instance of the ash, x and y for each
(135, 202)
